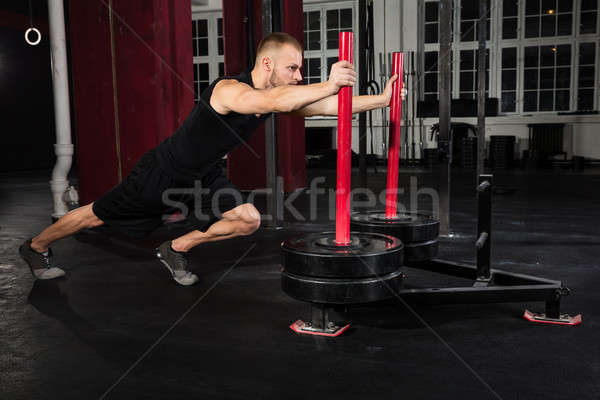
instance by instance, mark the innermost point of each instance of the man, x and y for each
(231, 108)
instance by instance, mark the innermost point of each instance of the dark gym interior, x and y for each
(503, 158)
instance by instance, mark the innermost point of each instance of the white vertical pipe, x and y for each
(62, 118)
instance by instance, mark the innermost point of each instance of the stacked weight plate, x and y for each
(418, 231)
(317, 270)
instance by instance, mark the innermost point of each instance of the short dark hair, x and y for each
(277, 39)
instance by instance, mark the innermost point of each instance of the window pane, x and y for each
(202, 47)
(203, 71)
(587, 52)
(548, 5)
(314, 21)
(589, 5)
(314, 67)
(203, 85)
(195, 47)
(508, 102)
(548, 25)
(346, 18)
(509, 28)
(532, 7)
(546, 100)
(203, 27)
(564, 24)
(431, 33)
(431, 82)
(466, 95)
(588, 22)
(314, 40)
(431, 59)
(585, 99)
(547, 78)
(431, 11)
(530, 101)
(547, 56)
(466, 81)
(220, 26)
(469, 9)
(586, 76)
(531, 79)
(333, 38)
(221, 69)
(531, 57)
(194, 28)
(220, 44)
(332, 19)
(430, 97)
(510, 8)
(563, 77)
(563, 54)
(565, 6)
(467, 59)
(509, 57)
(562, 100)
(467, 31)
(509, 80)
(532, 27)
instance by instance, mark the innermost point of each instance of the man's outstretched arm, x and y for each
(231, 95)
(329, 105)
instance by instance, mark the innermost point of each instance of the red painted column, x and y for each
(344, 150)
(291, 139)
(391, 203)
(132, 83)
(247, 168)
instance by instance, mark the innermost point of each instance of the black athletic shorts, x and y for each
(149, 196)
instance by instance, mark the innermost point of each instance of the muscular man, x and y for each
(231, 108)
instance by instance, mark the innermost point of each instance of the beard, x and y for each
(275, 81)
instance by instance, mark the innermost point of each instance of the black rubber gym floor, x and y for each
(118, 327)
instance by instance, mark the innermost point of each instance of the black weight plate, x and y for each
(420, 251)
(408, 227)
(341, 291)
(317, 255)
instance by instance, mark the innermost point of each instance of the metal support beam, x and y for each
(362, 82)
(269, 20)
(445, 138)
(484, 227)
(481, 80)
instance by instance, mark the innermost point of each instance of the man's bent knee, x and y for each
(249, 215)
(91, 220)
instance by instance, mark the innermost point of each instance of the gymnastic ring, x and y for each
(39, 36)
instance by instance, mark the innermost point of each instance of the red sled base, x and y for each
(307, 329)
(564, 319)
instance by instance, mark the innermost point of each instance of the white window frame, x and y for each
(496, 43)
(324, 53)
(213, 58)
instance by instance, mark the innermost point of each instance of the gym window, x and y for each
(322, 25)
(541, 54)
(207, 45)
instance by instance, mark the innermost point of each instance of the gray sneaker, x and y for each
(176, 263)
(40, 264)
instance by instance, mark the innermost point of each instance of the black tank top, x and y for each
(206, 136)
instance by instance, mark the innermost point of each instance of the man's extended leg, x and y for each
(242, 220)
(36, 252)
